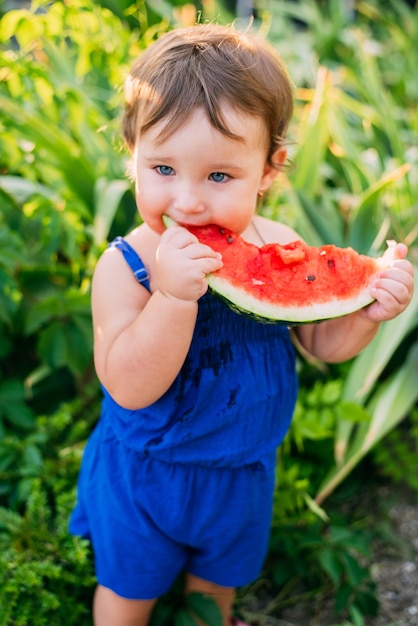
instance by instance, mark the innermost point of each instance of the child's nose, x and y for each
(188, 199)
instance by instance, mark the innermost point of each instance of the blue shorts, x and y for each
(149, 520)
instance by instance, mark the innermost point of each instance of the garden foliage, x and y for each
(64, 192)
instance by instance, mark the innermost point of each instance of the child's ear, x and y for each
(273, 167)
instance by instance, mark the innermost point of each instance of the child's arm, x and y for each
(342, 338)
(141, 340)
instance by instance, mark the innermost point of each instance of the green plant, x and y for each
(387, 407)
(181, 610)
(396, 455)
(312, 550)
(307, 559)
(62, 181)
(40, 564)
(354, 183)
(64, 192)
(46, 576)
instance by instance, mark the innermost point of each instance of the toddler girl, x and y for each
(178, 475)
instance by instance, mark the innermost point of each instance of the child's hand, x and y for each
(183, 263)
(392, 289)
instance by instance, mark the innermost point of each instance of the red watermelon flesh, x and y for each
(293, 283)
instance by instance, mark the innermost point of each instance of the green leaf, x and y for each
(346, 538)
(19, 415)
(205, 608)
(387, 408)
(12, 404)
(63, 150)
(67, 343)
(10, 297)
(323, 219)
(330, 563)
(11, 392)
(357, 616)
(8, 457)
(52, 345)
(313, 506)
(393, 400)
(162, 613)
(183, 618)
(63, 305)
(32, 457)
(79, 344)
(342, 596)
(108, 194)
(352, 412)
(367, 367)
(367, 216)
(21, 189)
(355, 573)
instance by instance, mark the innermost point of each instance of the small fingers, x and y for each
(403, 265)
(183, 264)
(393, 290)
(397, 281)
(396, 298)
(207, 265)
(401, 250)
(201, 251)
(179, 236)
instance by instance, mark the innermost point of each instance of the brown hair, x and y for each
(207, 66)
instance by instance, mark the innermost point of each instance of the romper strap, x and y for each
(133, 260)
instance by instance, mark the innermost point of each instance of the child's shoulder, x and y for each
(143, 241)
(271, 231)
(143, 238)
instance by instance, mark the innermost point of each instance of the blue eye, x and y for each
(164, 170)
(218, 177)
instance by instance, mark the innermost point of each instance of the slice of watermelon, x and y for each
(294, 283)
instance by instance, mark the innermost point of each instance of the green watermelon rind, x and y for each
(270, 313)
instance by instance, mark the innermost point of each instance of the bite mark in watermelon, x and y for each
(293, 283)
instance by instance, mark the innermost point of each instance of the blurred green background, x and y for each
(353, 181)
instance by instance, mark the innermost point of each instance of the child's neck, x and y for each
(260, 239)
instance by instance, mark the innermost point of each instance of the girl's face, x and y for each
(200, 176)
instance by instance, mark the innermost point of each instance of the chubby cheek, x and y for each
(239, 218)
(150, 210)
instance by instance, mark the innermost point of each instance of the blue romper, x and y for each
(186, 484)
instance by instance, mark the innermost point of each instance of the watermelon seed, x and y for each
(331, 263)
(222, 231)
(311, 278)
(230, 239)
